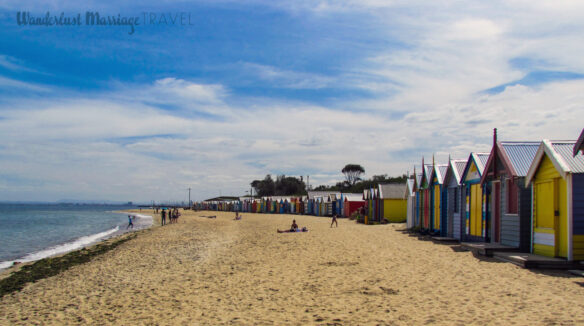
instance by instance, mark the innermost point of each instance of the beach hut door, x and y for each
(497, 211)
(546, 221)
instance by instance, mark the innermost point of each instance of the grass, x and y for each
(52, 266)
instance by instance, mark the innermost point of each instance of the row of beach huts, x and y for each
(387, 203)
(526, 196)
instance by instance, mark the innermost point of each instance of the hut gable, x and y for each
(438, 172)
(561, 156)
(392, 190)
(454, 171)
(474, 167)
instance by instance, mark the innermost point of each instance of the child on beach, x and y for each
(335, 221)
(237, 216)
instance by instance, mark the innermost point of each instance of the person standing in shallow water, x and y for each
(130, 223)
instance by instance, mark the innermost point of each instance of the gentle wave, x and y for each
(61, 249)
(144, 220)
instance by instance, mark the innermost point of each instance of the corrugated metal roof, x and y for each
(483, 158)
(392, 190)
(428, 168)
(565, 150)
(521, 155)
(353, 197)
(459, 164)
(410, 186)
(440, 172)
(312, 194)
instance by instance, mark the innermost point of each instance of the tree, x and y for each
(353, 173)
(283, 186)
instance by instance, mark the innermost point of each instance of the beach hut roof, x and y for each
(561, 154)
(417, 180)
(426, 172)
(222, 198)
(439, 171)
(365, 194)
(392, 190)
(312, 194)
(454, 170)
(479, 159)
(409, 187)
(515, 156)
(353, 197)
(579, 146)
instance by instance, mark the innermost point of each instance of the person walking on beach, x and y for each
(163, 217)
(130, 222)
(334, 221)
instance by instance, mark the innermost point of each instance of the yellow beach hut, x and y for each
(392, 204)
(438, 224)
(475, 214)
(557, 179)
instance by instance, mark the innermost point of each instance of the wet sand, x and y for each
(221, 271)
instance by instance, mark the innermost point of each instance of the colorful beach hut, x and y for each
(510, 199)
(418, 204)
(352, 203)
(557, 180)
(424, 194)
(454, 198)
(437, 209)
(476, 217)
(391, 204)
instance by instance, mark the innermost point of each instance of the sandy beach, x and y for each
(220, 271)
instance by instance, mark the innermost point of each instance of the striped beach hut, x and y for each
(391, 204)
(367, 200)
(437, 198)
(557, 179)
(424, 194)
(418, 204)
(476, 217)
(454, 198)
(510, 200)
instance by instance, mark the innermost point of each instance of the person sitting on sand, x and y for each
(294, 226)
(304, 229)
(237, 216)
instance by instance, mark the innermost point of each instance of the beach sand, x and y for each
(221, 271)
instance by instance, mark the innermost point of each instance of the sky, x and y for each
(210, 95)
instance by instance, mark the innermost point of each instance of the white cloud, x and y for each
(149, 141)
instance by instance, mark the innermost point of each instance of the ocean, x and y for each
(30, 232)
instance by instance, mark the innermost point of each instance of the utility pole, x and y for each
(190, 197)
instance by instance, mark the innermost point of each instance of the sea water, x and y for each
(29, 232)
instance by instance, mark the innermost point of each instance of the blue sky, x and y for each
(257, 87)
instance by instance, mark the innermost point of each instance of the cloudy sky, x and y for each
(238, 90)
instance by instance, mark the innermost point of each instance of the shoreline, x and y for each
(78, 243)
